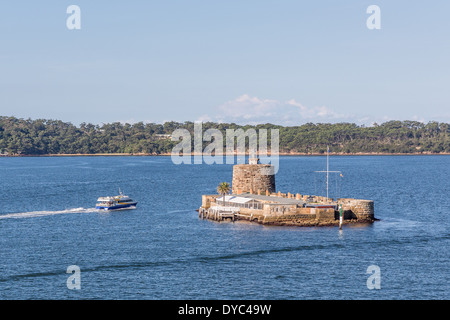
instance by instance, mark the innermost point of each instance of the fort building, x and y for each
(254, 198)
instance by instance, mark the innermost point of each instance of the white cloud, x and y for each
(204, 118)
(246, 109)
(322, 113)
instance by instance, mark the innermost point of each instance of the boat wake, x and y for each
(34, 214)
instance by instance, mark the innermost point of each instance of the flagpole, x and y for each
(328, 171)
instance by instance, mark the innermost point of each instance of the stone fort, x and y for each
(254, 198)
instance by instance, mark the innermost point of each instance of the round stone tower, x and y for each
(252, 177)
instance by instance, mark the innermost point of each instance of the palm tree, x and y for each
(223, 188)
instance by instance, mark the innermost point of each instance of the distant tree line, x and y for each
(40, 137)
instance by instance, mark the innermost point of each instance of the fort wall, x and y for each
(253, 177)
(360, 209)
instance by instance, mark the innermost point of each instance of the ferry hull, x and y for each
(118, 206)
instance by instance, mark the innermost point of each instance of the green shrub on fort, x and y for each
(38, 137)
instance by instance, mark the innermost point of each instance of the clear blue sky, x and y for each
(286, 62)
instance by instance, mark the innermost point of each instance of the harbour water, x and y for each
(162, 250)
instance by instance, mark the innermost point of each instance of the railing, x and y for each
(248, 205)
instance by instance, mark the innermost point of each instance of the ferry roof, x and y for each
(106, 198)
(122, 197)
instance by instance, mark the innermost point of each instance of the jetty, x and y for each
(254, 198)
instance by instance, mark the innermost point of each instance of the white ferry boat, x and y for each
(117, 202)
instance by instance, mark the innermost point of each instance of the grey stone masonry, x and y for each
(253, 178)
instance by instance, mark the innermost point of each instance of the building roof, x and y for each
(234, 199)
(264, 198)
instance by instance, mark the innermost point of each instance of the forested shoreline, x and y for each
(55, 137)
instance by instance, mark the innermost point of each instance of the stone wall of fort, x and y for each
(253, 177)
(358, 209)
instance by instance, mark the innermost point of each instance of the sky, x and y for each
(286, 62)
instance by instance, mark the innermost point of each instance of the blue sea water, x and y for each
(162, 250)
